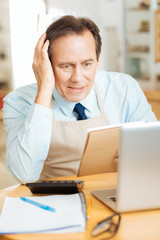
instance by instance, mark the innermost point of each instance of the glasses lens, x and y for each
(108, 227)
(101, 227)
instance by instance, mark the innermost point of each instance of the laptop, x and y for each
(138, 182)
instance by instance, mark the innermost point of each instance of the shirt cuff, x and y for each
(39, 115)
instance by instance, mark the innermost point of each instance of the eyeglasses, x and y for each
(108, 227)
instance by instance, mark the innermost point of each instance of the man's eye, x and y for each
(66, 66)
(87, 64)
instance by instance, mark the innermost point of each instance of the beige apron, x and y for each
(67, 143)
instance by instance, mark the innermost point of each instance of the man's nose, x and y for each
(76, 74)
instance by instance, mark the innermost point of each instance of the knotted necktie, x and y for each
(79, 109)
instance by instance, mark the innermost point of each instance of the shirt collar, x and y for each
(67, 106)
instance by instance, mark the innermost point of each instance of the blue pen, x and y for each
(45, 207)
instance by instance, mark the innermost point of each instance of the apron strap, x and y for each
(99, 99)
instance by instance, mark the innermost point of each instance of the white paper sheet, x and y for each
(18, 216)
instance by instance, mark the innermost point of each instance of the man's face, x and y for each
(74, 63)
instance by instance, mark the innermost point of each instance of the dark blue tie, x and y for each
(79, 109)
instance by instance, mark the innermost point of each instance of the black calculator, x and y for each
(56, 186)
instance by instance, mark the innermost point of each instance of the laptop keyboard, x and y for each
(113, 199)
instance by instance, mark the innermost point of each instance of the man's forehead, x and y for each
(74, 48)
(71, 36)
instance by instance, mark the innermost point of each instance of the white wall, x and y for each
(110, 17)
(25, 31)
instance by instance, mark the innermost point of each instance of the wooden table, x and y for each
(153, 98)
(136, 225)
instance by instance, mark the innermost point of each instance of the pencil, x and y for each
(89, 208)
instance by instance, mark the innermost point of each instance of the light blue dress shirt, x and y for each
(29, 125)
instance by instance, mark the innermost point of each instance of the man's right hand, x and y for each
(43, 72)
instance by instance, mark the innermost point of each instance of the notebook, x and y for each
(19, 216)
(138, 184)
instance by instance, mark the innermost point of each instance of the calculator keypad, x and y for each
(56, 186)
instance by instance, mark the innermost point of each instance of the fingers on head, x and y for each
(45, 46)
(41, 50)
(40, 43)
